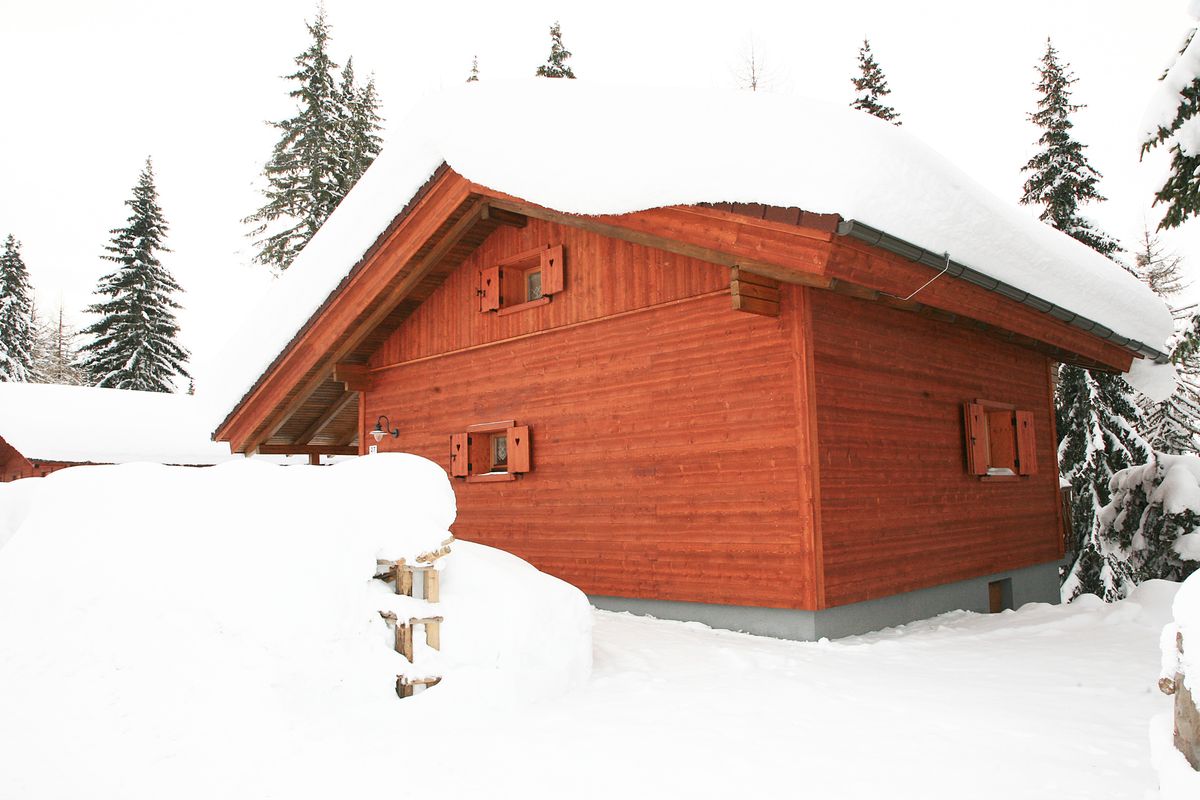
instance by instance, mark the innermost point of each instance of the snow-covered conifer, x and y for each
(1170, 125)
(1060, 177)
(321, 152)
(362, 124)
(474, 76)
(556, 64)
(16, 315)
(133, 342)
(872, 86)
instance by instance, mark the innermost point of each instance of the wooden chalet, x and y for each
(730, 412)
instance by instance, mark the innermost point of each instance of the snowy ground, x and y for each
(236, 650)
(1050, 701)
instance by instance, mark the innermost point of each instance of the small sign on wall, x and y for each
(372, 449)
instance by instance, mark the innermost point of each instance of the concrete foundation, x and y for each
(1036, 584)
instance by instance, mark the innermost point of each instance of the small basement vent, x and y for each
(1000, 595)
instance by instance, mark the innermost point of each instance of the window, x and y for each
(522, 281)
(490, 452)
(999, 439)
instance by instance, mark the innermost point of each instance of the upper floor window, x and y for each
(521, 281)
(1000, 440)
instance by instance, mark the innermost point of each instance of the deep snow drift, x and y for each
(785, 151)
(177, 632)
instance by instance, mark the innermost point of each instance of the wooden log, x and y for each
(404, 640)
(404, 579)
(433, 585)
(404, 686)
(1187, 716)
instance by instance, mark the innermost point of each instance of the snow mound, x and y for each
(88, 424)
(169, 621)
(783, 151)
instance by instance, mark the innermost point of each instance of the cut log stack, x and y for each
(404, 577)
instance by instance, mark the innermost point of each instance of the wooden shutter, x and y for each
(1026, 446)
(459, 458)
(552, 270)
(489, 289)
(518, 448)
(975, 424)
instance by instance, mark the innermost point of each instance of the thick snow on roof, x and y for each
(106, 426)
(587, 149)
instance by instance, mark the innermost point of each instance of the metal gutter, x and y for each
(877, 238)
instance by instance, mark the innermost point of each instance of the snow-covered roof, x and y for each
(87, 424)
(586, 149)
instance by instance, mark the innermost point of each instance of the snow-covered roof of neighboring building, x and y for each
(86, 424)
(586, 149)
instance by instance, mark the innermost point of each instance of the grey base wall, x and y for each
(1036, 584)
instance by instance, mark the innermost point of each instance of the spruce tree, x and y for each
(362, 124)
(1060, 177)
(474, 76)
(872, 86)
(322, 151)
(556, 64)
(1173, 425)
(1097, 414)
(16, 315)
(1181, 89)
(133, 344)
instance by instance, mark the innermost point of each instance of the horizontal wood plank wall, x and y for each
(898, 509)
(664, 441)
(604, 276)
(15, 468)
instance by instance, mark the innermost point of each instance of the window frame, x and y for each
(1006, 459)
(478, 445)
(511, 275)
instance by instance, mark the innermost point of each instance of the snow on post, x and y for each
(156, 619)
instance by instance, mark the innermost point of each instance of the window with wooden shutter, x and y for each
(999, 440)
(459, 455)
(490, 452)
(489, 289)
(523, 281)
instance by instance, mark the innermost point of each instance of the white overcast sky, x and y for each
(91, 88)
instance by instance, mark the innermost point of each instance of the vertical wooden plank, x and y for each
(808, 462)
(459, 455)
(1026, 444)
(552, 270)
(518, 449)
(433, 589)
(404, 580)
(975, 422)
(1063, 520)
(489, 289)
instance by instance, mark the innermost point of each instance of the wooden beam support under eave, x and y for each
(328, 415)
(413, 275)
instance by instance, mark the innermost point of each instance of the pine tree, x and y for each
(556, 65)
(872, 86)
(1173, 425)
(1097, 425)
(474, 76)
(1061, 179)
(362, 125)
(321, 152)
(134, 340)
(1181, 89)
(16, 315)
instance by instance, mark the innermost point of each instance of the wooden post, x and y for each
(404, 579)
(432, 586)
(404, 639)
(1187, 716)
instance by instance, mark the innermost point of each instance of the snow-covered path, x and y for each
(1048, 702)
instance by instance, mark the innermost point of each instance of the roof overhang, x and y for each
(305, 400)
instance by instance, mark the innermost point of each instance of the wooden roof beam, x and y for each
(304, 450)
(414, 275)
(327, 416)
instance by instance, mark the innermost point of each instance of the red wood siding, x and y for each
(603, 277)
(899, 510)
(666, 446)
